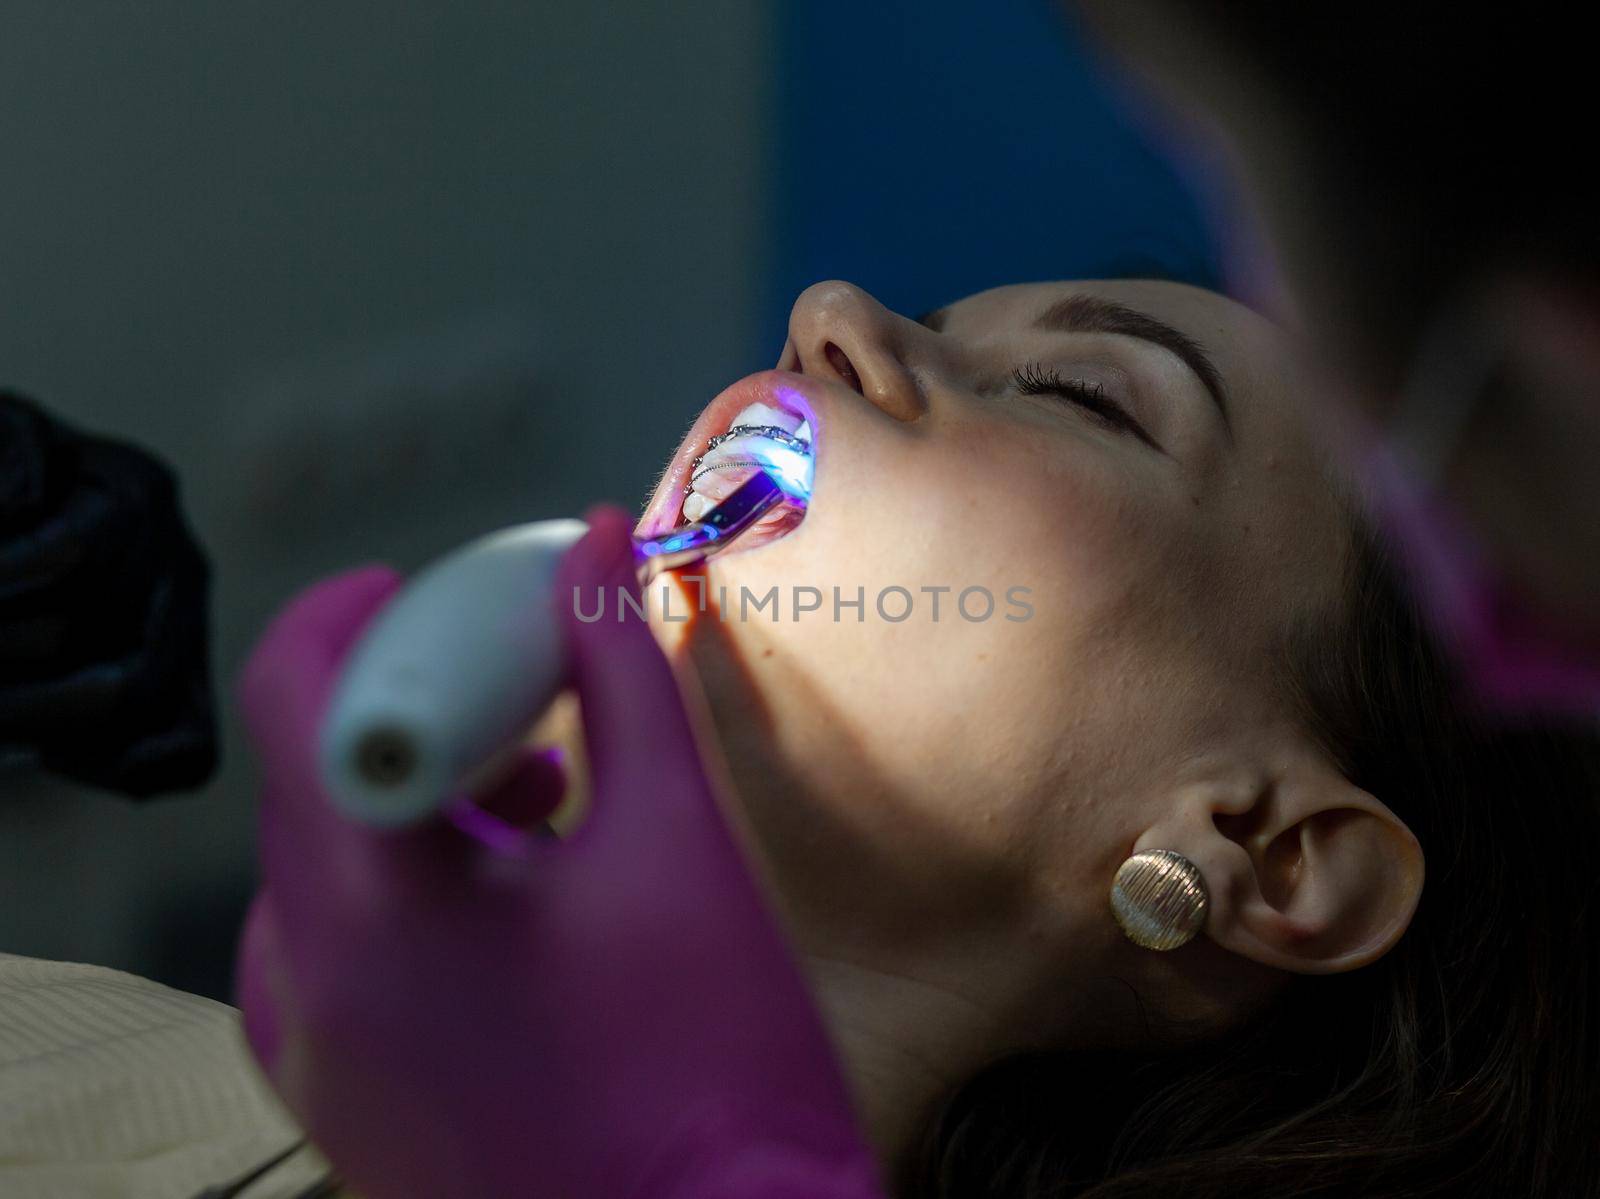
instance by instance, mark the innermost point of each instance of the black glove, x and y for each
(104, 657)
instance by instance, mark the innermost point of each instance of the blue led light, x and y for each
(791, 470)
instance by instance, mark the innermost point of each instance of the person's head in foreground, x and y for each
(1209, 658)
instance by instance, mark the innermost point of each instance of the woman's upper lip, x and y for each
(778, 389)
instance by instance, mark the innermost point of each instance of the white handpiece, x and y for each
(449, 676)
(455, 671)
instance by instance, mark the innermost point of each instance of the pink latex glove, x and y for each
(618, 1015)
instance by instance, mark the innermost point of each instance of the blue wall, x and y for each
(929, 150)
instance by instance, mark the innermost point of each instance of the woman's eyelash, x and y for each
(1035, 379)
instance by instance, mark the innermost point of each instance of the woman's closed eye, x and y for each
(1036, 379)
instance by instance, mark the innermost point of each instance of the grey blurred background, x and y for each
(375, 278)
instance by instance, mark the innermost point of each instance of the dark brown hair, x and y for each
(1464, 1062)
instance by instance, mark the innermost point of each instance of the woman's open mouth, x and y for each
(758, 425)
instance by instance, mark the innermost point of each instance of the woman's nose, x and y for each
(838, 331)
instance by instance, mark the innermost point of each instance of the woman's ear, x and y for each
(1306, 872)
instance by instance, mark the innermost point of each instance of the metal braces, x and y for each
(771, 432)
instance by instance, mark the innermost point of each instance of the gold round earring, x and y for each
(1159, 898)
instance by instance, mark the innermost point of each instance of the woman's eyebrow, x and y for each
(1091, 314)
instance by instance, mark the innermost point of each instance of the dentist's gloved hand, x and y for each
(617, 1016)
(104, 596)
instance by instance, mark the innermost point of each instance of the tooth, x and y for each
(696, 506)
(804, 432)
(764, 414)
(720, 474)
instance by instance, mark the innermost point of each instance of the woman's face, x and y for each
(1116, 465)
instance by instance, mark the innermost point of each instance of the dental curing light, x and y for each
(448, 678)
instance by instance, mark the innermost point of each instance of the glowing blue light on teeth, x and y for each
(790, 469)
(785, 473)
